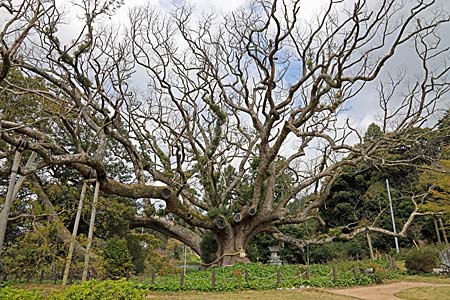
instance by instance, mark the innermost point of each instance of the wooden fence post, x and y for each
(334, 274)
(355, 272)
(213, 279)
(307, 272)
(278, 277)
(153, 278)
(246, 276)
(182, 280)
(392, 263)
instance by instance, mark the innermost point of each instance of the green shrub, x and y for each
(10, 293)
(422, 260)
(337, 251)
(208, 247)
(101, 290)
(118, 261)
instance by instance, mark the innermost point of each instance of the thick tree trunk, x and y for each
(233, 242)
(232, 251)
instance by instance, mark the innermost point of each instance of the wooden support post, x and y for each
(9, 197)
(153, 278)
(278, 277)
(213, 279)
(444, 235)
(307, 272)
(246, 276)
(436, 228)
(369, 241)
(91, 232)
(334, 274)
(74, 234)
(182, 280)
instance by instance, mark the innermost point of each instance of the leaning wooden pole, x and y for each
(9, 195)
(436, 228)
(91, 232)
(444, 234)
(74, 234)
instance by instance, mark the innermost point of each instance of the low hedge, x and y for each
(91, 290)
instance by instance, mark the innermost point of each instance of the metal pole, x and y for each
(392, 215)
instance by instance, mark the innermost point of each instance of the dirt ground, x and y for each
(381, 292)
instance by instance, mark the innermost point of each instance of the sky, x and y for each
(359, 110)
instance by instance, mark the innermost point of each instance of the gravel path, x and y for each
(381, 292)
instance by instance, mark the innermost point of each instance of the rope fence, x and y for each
(305, 276)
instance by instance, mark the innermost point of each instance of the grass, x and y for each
(312, 294)
(425, 293)
(437, 279)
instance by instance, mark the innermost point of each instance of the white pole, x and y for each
(392, 215)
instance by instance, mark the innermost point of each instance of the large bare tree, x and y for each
(223, 121)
